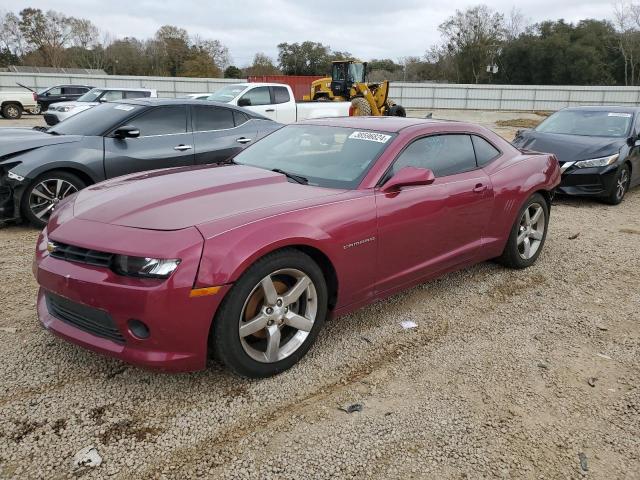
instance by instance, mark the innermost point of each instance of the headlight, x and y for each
(65, 109)
(598, 162)
(144, 267)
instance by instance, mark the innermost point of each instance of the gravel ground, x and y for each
(509, 374)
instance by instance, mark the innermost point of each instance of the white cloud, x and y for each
(373, 29)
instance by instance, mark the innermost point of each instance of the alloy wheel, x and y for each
(531, 230)
(47, 194)
(621, 184)
(12, 111)
(278, 315)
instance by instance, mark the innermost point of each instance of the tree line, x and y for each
(477, 45)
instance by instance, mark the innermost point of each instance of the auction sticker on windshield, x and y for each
(370, 136)
(616, 114)
(126, 108)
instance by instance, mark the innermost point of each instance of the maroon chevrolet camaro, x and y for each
(246, 260)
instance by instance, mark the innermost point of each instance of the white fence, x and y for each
(509, 97)
(410, 95)
(166, 86)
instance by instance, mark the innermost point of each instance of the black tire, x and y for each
(620, 186)
(31, 203)
(12, 111)
(361, 107)
(225, 338)
(397, 111)
(512, 257)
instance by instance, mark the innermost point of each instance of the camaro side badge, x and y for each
(359, 242)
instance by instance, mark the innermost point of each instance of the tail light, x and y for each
(351, 110)
(35, 96)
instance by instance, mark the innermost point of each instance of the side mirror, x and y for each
(409, 176)
(633, 141)
(244, 102)
(126, 131)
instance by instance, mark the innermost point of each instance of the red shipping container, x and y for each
(300, 84)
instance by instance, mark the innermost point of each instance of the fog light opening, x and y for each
(138, 329)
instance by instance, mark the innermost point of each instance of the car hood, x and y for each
(173, 199)
(568, 148)
(75, 105)
(16, 140)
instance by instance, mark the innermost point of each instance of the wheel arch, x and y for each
(71, 169)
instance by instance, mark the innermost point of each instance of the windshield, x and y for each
(597, 123)
(91, 95)
(333, 157)
(226, 94)
(96, 120)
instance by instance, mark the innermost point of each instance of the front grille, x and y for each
(71, 253)
(89, 319)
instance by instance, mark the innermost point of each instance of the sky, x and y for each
(368, 29)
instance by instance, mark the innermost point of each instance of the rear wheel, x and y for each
(360, 107)
(528, 234)
(12, 111)
(271, 316)
(620, 186)
(45, 192)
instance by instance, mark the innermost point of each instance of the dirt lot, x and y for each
(509, 374)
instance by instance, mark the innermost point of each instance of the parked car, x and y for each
(276, 101)
(598, 149)
(39, 168)
(60, 93)
(245, 260)
(13, 104)
(63, 110)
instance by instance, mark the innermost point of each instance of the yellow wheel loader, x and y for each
(347, 83)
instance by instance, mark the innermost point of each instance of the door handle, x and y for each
(270, 110)
(182, 148)
(479, 188)
(244, 140)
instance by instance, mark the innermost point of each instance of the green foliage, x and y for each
(232, 72)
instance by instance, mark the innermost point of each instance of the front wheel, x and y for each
(45, 192)
(620, 186)
(528, 234)
(271, 316)
(12, 111)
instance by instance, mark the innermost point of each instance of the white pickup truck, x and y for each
(12, 104)
(276, 101)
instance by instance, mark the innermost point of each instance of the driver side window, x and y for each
(442, 154)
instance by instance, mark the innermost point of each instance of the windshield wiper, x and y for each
(296, 178)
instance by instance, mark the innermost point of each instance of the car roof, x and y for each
(604, 108)
(381, 124)
(125, 89)
(161, 102)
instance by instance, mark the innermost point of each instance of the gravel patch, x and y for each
(494, 382)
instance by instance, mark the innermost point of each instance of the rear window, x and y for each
(485, 152)
(281, 94)
(211, 118)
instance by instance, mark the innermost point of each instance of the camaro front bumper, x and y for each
(94, 307)
(594, 181)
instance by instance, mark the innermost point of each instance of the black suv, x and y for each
(60, 93)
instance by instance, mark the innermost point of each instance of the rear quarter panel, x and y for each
(309, 110)
(515, 177)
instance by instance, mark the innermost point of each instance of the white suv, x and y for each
(63, 110)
